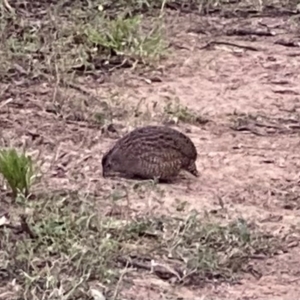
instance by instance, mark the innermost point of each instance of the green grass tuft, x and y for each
(17, 170)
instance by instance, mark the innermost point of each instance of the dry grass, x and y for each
(62, 246)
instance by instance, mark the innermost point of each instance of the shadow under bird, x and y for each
(151, 152)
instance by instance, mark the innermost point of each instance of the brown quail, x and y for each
(151, 152)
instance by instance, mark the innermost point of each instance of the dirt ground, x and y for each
(248, 148)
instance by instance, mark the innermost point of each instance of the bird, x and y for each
(151, 152)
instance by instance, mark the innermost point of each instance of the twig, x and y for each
(124, 64)
(244, 32)
(177, 46)
(285, 91)
(9, 8)
(79, 89)
(5, 102)
(246, 128)
(162, 271)
(287, 43)
(258, 124)
(255, 273)
(25, 227)
(209, 44)
(83, 124)
(221, 202)
(117, 289)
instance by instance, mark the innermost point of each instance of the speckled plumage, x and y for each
(151, 152)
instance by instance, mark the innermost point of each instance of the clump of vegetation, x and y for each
(58, 41)
(125, 36)
(65, 245)
(179, 113)
(17, 169)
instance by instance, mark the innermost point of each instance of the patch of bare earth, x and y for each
(235, 94)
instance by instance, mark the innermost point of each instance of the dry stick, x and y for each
(281, 129)
(80, 89)
(25, 227)
(6, 102)
(119, 282)
(255, 273)
(259, 124)
(7, 5)
(163, 272)
(228, 44)
(246, 128)
(287, 43)
(243, 32)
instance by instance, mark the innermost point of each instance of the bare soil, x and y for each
(248, 148)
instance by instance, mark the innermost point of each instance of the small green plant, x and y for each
(126, 36)
(17, 170)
